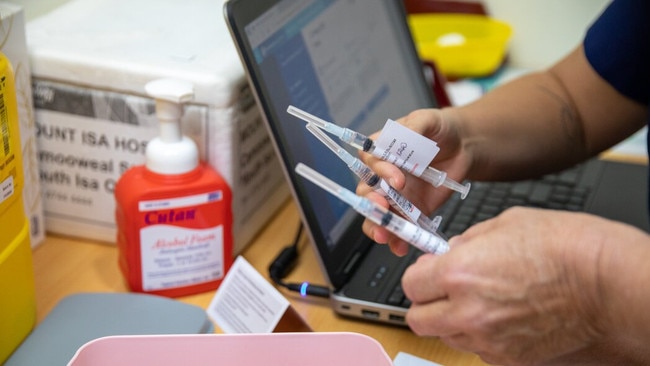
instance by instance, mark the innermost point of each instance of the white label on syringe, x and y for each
(405, 148)
(423, 240)
(404, 205)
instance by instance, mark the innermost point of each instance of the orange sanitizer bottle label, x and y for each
(177, 247)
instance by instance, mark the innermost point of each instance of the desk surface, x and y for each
(65, 266)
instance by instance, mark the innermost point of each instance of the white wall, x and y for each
(35, 8)
(544, 30)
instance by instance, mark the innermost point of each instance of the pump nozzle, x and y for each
(171, 153)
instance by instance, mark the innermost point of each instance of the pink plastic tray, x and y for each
(286, 349)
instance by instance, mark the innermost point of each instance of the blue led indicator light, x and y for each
(303, 289)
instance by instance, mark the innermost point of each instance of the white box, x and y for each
(14, 46)
(90, 62)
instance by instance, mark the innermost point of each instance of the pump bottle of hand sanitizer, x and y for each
(173, 214)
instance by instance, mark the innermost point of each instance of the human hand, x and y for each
(433, 124)
(523, 288)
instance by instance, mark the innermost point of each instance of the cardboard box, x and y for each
(14, 46)
(90, 62)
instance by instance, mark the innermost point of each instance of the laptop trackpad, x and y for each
(622, 194)
(377, 275)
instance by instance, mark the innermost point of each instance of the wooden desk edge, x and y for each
(64, 266)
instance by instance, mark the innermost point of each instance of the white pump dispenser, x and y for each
(171, 152)
(169, 200)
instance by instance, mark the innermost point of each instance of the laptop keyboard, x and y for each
(487, 199)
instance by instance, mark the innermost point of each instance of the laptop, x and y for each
(353, 63)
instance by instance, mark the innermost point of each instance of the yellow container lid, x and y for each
(461, 45)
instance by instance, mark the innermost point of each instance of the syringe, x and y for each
(418, 237)
(363, 142)
(396, 200)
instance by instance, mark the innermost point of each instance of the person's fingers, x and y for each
(363, 189)
(387, 171)
(474, 231)
(434, 319)
(399, 247)
(382, 236)
(420, 121)
(421, 281)
(375, 232)
(377, 198)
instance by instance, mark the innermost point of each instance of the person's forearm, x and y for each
(545, 121)
(625, 276)
(524, 128)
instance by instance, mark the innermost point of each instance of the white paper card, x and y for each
(246, 302)
(406, 359)
(405, 148)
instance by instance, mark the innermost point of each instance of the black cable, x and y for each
(285, 262)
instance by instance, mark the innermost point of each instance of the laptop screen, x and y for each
(351, 62)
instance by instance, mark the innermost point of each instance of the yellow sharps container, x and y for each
(17, 299)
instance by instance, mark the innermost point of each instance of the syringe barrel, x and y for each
(463, 189)
(439, 178)
(426, 223)
(359, 141)
(434, 176)
(418, 237)
(364, 173)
